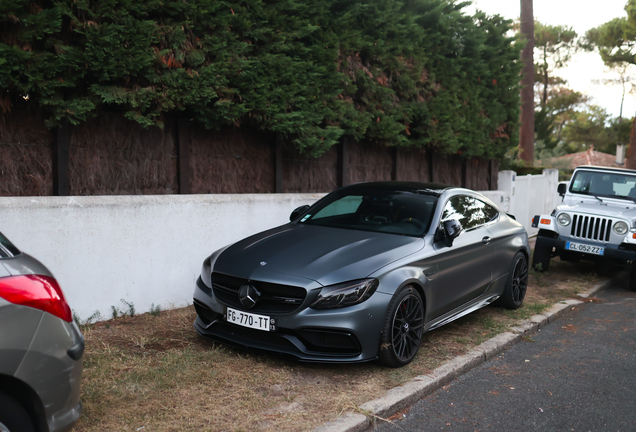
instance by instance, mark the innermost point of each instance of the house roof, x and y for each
(588, 157)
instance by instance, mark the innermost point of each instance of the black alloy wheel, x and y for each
(517, 283)
(403, 328)
(520, 280)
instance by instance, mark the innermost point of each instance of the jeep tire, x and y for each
(541, 256)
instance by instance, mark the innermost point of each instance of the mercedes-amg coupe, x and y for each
(363, 273)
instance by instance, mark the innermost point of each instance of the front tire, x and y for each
(516, 284)
(632, 279)
(13, 416)
(403, 328)
(541, 256)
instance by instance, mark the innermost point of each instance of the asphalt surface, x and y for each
(576, 374)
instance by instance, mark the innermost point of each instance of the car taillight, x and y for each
(36, 291)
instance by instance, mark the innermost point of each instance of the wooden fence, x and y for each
(110, 155)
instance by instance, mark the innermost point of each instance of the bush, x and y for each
(413, 73)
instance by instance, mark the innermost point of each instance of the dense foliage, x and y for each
(404, 73)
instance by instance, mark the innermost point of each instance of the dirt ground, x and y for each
(152, 372)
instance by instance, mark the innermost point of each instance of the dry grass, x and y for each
(154, 373)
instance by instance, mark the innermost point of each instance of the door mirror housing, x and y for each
(448, 232)
(562, 188)
(297, 212)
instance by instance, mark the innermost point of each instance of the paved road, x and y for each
(576, 374)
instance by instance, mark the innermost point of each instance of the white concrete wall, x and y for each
(143, 249)
(148, 249)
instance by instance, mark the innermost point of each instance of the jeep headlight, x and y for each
(345, 294)
(620, 228)
(564, 219)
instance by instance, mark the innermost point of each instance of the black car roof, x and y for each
(406, 186)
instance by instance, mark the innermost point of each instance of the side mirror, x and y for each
(297, 212)
(562, 188)
(448, 232)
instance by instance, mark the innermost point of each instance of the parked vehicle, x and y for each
(596, 220)
(363, 273)
(40, 348)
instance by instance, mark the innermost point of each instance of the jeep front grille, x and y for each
(590, 227)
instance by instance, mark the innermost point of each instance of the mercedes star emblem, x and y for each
(248, 296)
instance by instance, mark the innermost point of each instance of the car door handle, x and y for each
(486, 240)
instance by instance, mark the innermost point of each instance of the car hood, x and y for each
(322, 254)
(609, 208)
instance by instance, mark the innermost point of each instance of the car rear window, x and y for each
(7, 249)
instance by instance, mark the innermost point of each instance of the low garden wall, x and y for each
(147, 249)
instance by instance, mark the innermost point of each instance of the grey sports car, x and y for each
(363, 273)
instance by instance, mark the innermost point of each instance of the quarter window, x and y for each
(7, 250)
(469, 212)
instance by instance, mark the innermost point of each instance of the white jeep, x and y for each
(596, 220)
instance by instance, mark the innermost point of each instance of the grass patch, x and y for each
(153, 371)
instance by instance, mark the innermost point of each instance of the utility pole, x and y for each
(526, 134)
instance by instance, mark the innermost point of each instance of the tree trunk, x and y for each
(526, 145)
(630, 157)
(544, 101)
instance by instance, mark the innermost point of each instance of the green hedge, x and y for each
(412, 73)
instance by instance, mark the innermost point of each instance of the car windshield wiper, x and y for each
(596, 196)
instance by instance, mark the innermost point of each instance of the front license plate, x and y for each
(246, 319)
(594, 250)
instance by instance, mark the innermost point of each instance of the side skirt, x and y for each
(461, 311)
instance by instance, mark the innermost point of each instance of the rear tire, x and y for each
(516, 284)
(541, 256)
(13, 416)
(403, 328)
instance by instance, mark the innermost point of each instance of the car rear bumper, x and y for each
(66, 420)
(53, 374)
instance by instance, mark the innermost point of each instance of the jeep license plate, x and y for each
(579, 247)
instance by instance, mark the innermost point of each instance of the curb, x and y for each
(405, 395)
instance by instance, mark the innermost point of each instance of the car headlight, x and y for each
(620, 228)
(345, 294)
(564, 219)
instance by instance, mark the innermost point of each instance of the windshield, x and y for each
(604, 184)
(388, 211)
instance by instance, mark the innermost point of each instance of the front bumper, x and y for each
(615, 253)
(344, 335)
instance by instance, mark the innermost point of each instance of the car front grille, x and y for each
(591, 228)
(275, 298)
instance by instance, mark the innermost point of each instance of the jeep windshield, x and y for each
(604, 184)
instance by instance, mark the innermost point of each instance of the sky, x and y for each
(585, 68)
